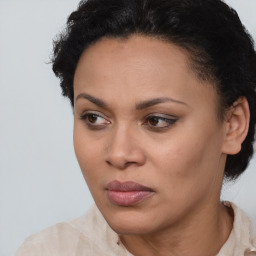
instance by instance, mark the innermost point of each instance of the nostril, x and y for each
(123, 151)
(108, 162)
(129, 163)
(120, 162)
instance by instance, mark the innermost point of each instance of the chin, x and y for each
(130, 222)
(136, 228)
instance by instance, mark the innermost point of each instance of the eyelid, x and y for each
(169, 119)
(163, 116)
(163, 121)
(84, 117)
(93, 112)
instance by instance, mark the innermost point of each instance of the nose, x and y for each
(125, 149)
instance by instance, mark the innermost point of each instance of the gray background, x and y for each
(40, 180)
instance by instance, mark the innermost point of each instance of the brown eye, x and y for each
(153, 121)
(159, 121)
(94, 120)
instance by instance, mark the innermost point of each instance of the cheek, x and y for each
(188, 164)
(88, 153)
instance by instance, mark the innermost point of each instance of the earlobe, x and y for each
(237, 125)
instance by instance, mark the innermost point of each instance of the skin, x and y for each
(181, 160)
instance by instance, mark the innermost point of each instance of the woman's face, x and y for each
(146, 134)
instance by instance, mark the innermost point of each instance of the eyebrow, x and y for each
(155, 101)
(92, 99)
(139, 106)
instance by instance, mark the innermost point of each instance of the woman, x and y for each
(164, 109)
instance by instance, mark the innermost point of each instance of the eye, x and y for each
(94, 120)
(159, 121)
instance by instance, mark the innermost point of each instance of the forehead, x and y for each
(136, 68)
(133, 53)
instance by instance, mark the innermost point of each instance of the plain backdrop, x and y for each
(40, 180)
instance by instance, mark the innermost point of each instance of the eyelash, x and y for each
(155, 118)
(85, 117)
(169, 121)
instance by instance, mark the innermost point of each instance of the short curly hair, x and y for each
(220, 48)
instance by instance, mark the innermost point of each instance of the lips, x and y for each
(127, 193)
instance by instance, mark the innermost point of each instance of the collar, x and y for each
(240, 241)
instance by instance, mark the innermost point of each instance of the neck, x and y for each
(202, 235)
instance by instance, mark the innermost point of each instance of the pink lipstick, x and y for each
(127, 193)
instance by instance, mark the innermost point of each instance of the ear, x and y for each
(237, 125)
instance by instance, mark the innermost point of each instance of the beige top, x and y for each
(90, 235)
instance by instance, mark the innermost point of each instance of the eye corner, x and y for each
(94, 120)
(159, 121)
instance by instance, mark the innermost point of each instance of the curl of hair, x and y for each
(219, 47)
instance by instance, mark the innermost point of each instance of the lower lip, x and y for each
(127, 198)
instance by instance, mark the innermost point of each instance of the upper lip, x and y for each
(126, 186)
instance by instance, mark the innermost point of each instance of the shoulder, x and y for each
(244, 227)
(54, 240)
(85, 235)
(242, 238)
